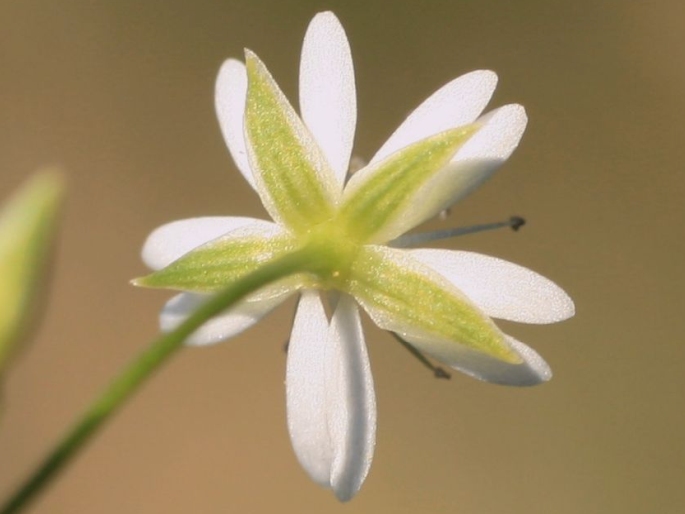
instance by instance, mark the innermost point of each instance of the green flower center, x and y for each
(333, 249)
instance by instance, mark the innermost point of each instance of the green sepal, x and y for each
(376, 196)
(405, 297)
(296, 184)
(218, 264)
(27, 230)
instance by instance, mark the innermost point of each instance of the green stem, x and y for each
(141, 369)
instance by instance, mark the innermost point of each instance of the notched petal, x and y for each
(330, 397)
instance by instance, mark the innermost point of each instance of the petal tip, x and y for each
(567, 308)
(488, 78)
(516, 115)
(327, 16)
(559, 304)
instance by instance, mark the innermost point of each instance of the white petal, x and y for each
(532, 371)
(170, 241)
(351, 402)
(457, 103)
(225, 325)
(327, 92)
(476, 161)
(500, 288)
(229, 99)
(473, 164)
(330, 396)
(486, 151)
(306, 389)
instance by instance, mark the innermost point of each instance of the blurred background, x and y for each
(120, 95)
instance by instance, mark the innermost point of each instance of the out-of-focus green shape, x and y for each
(27, 228)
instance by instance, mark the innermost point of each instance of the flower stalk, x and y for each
(122, 388)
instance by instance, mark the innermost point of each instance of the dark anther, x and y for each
(441, 373)
(516, 222)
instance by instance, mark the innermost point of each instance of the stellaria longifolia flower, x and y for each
(440, 301)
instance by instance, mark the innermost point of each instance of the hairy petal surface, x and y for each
(226, 325)
(457, 103)
(230, 94)
(404, 296)
(293, 178)
(173, 240)
(532, 369)
(500, 288)
(328, 101)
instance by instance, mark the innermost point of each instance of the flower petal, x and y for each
(305, 382)
(229, 99)
(213, 265)
(404, 296)
(483, 153)
(330, 397)
(225, 325)
(351, 401)
(500, 288)
(531, 371)
(328, 101)
(458, 102)
(170, 241)
(486, 149)
(293, 178)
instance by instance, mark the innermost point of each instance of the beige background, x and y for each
(120, 93)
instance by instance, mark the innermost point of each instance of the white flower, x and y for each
(440, 301)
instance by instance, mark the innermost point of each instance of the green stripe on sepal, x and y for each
(377, 196)
(218, 264)
(404, 296)
(297, 186)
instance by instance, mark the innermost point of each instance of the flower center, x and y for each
(333, 252)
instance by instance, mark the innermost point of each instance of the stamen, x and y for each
(409, 240)
(437, 370)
